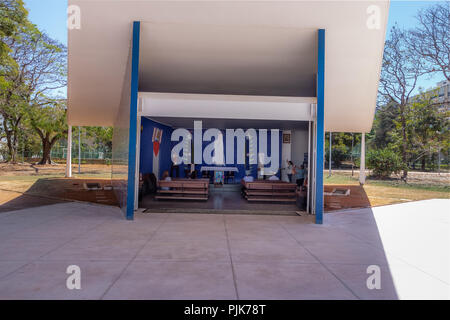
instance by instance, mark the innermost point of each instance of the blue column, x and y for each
(133, 119)
(320, 125)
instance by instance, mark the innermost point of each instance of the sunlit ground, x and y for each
(416, 240)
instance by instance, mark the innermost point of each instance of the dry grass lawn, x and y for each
(25, 185)
(421, 186)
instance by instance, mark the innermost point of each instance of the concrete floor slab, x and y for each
(182, 280)
(47, 280)
(14, 249)
(269, 251)
(215, 256)
(288, 282)
(62, 228)
(355, 277)
(7, 267)
(395, 276)
(350, 252)
(319, 234)
(206, 231)
(126, 229)
(254, 231)
(95, 247)
(185, 250)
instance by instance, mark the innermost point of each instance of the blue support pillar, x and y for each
(133, 120)
(320, 125)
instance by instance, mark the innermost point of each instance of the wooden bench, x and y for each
(278, 191)
(184, 189)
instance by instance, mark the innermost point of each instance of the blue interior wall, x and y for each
(241, 167)
(146, 153)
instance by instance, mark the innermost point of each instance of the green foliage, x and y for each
(339, 153)
(101, 137)
(384, 162)
(384, 125)
(49, 122)
(33, 67)
(12, 15)
(414, 126)
(426, 128)
(345, 147)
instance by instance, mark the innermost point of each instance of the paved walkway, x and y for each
(202, 256)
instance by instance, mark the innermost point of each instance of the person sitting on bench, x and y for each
(246, 178)
(192, 172)
(174, 167)
(274, 178)
(165, 177)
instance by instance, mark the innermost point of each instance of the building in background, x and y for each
(443, 92)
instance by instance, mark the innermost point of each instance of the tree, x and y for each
(38, 69)
(427, 126)
(49, 122)
(341, 147)
(12, 15)
(430, 39)
(383, 126)
(101, 136)
(383, 162)
(399, 75)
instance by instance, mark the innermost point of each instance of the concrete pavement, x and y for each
(214, 256)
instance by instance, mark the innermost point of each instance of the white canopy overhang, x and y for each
(251, 48)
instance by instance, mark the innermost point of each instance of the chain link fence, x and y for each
(59, 155)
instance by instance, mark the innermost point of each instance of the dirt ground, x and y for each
(420, 186)
(26, 169)
(26, 185)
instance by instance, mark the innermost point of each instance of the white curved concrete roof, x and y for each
(264, 48)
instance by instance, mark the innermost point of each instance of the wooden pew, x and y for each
(184, 189)
(274, 191)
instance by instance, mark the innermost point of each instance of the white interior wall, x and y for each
(299, 146)
(285, 155)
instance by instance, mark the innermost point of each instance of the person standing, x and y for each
(290, 169)
(300, 176)
(174, 167)
(192, 172)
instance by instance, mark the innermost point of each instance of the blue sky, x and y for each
(50, 15)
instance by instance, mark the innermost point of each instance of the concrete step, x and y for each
(225, 188)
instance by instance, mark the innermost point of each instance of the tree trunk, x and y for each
(46, 148)
(47, 145)
(14, 146)
(423, 164)
(11, 136)
(8, 138)
(404, 145)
